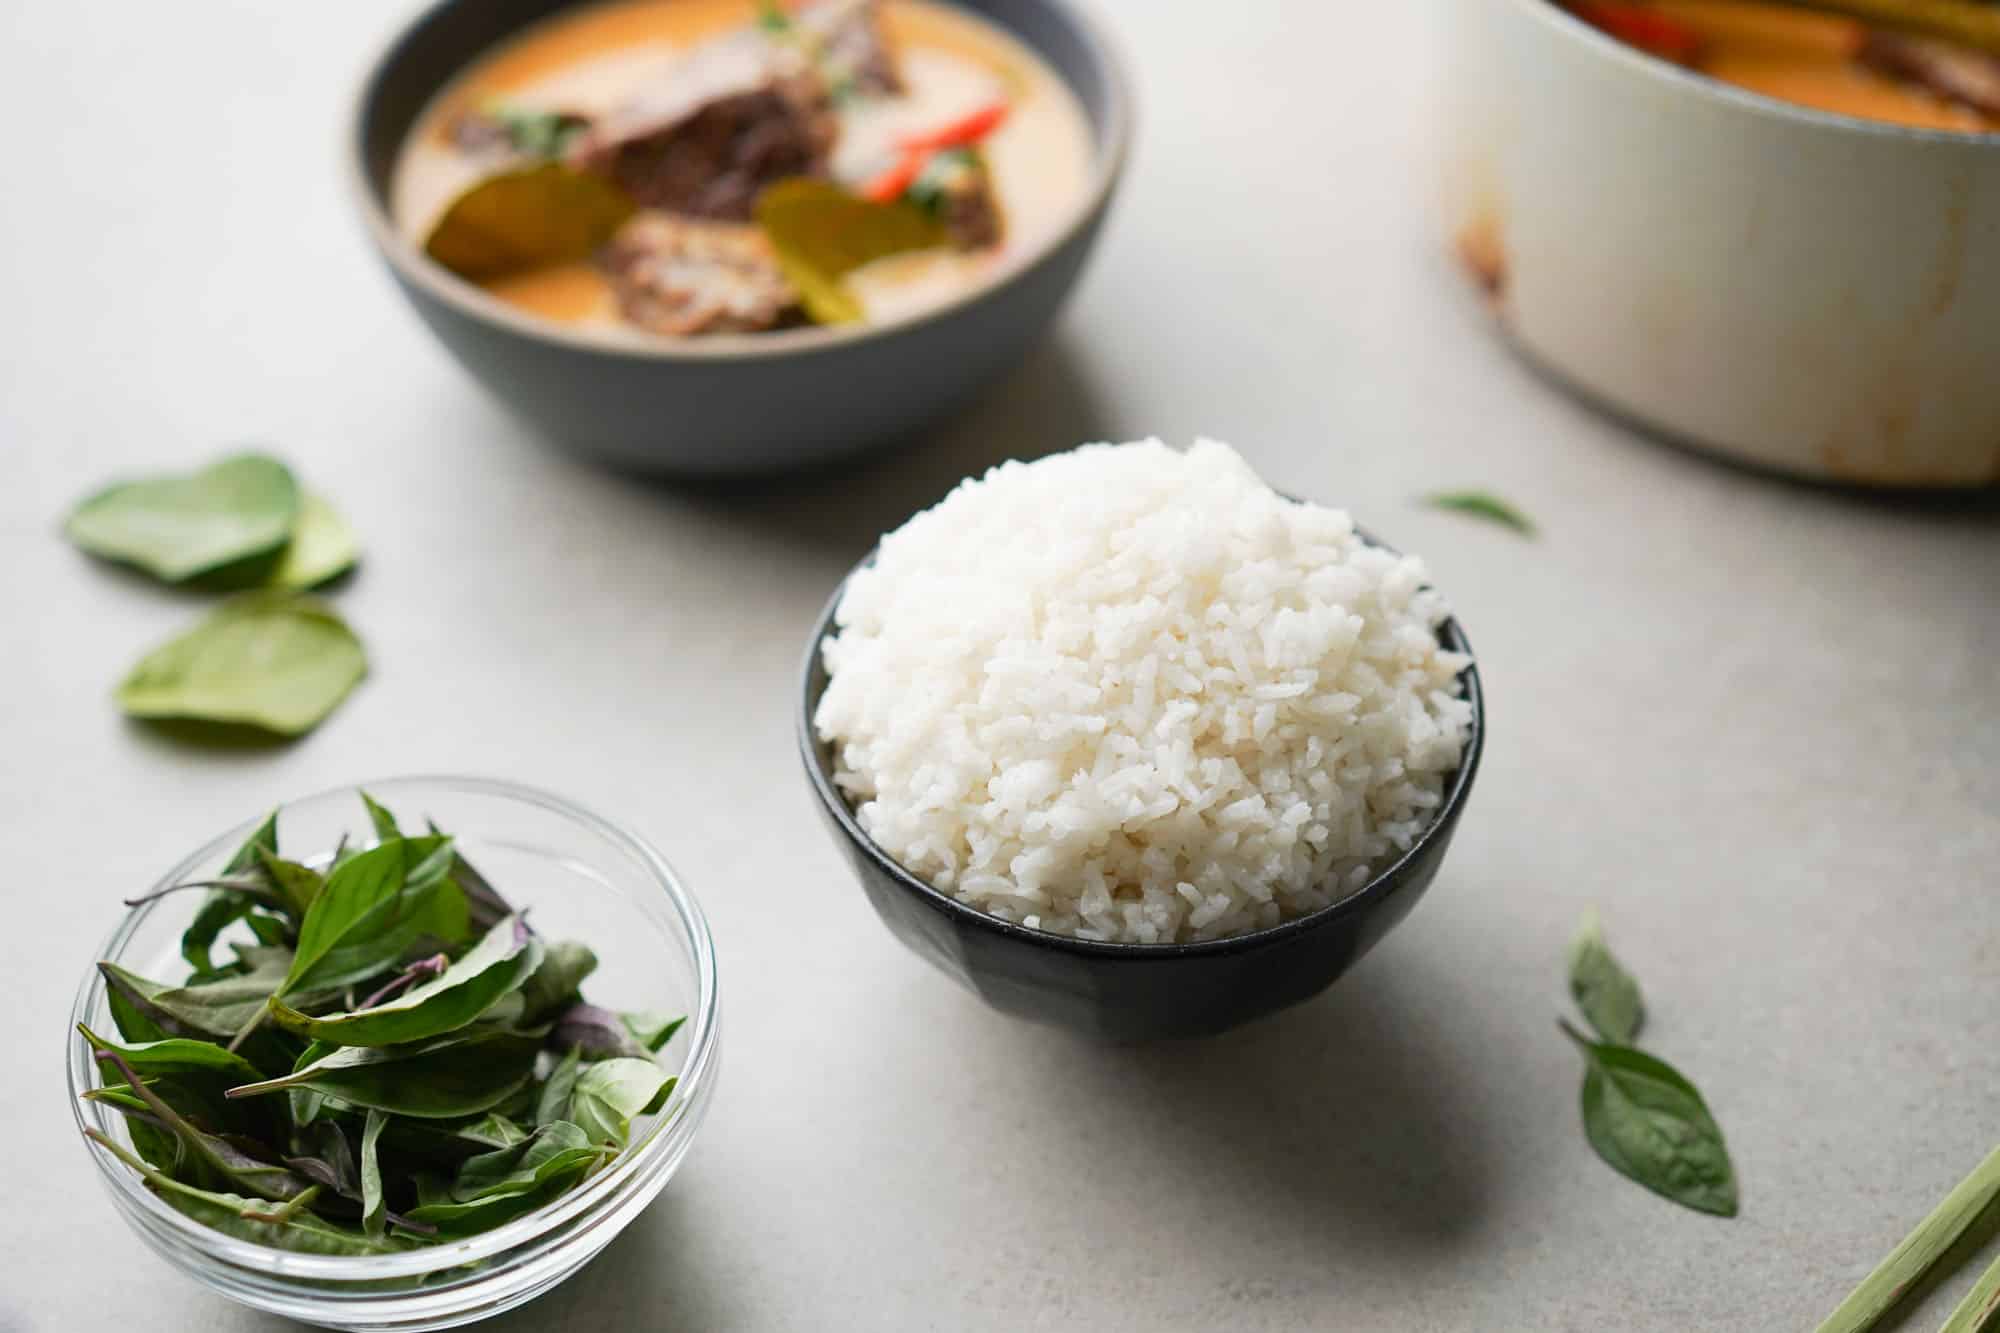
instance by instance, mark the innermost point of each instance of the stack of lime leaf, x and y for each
(270, 658)
(391, 1057)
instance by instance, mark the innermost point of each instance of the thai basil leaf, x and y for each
(304, 1104)
(334, 1165)
(304, 1231)
(215, 1157)
(437, 1141)
(213, 1011)
(552, 987)
(353, 891)
(373, 1205)
(441, 1079)
(197, 1101)
(611, 1092)
(1650, 1124)
(1480, 504)
(376, 907)
(553, 1102)
(452, 1220)
(133, 1023)
(550, 1151)
(461, 994)
(235, 513)
(484, 902)
(275, 662)
(297, 885)
(379, 817)
(652, 1030)
(1604, 990)
(204, 1060)
(221, 907)
(596, 1034)
(271, 931)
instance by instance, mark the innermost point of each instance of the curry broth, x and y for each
(590, 60)
(1810, 60)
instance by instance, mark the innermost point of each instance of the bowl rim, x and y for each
(1112, 143)
(1383, 884)
(1555, 18)
(667, 1140)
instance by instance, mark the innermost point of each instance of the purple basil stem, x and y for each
(423, 967)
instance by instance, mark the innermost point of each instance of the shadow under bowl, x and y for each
(1133, 992)
(735, 404)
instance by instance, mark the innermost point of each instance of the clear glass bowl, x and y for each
(584, 878)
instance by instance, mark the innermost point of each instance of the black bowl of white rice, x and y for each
(1124, 741)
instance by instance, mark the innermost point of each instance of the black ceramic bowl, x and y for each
(732, 404)
(1134, 992)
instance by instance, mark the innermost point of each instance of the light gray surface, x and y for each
(1755, 723)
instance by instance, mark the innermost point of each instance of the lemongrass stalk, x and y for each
(1968, 24)
(1979, 1312)
(1919, 1251)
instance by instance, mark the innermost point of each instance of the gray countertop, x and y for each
(1755, 723)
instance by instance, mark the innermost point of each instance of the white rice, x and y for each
(1128, 693)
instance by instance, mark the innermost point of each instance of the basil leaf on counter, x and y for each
(235, 512)
(1604, 990)
(1650, 1125)
(268, 661)
(1482, 504)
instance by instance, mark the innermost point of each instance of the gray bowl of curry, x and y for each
(714, 238)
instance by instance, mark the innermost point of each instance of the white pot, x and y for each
(1799, 290)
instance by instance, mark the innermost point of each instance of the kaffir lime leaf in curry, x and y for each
(235, 513)
(527, 218)
(264, 660)
(822, 233)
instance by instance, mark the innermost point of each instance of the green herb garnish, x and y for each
(393, 1060)
(931, 190)
(1919, 1252)
(1642, 1116)
(533, 131)
(1602, 989)
(771, 16)
(1483, 504)
(270, 661)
